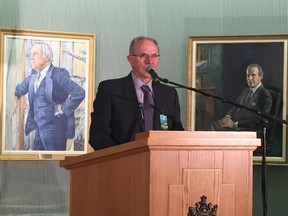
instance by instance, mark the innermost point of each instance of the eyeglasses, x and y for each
(146, 56)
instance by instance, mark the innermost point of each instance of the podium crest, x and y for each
(202, 208)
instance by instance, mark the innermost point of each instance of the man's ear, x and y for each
(47, 59)
(130, 60)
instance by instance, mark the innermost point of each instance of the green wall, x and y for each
(41, 187)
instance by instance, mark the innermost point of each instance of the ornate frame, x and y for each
(220, 72)
(72, 51)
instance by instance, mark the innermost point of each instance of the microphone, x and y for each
(152, 72)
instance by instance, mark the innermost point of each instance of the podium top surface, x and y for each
(173, 140)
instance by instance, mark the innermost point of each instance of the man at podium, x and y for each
(126, 106)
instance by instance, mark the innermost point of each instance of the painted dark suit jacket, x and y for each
(261, 100)
(59, 89)
(117, 115)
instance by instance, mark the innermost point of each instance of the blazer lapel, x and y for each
(256, 93)
(130, 94)
(49, 84)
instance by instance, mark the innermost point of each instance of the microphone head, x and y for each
(152, 72)
(150, 69)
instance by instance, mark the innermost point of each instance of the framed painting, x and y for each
(47, 81)
(217, 66)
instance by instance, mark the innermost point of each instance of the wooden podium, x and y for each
(163, 173)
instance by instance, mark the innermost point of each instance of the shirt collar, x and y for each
(255, 88)
(138, 83)
(45, 70)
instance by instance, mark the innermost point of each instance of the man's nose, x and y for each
(149, 59)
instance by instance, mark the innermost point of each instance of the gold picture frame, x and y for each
(221, 61)
(72, 52)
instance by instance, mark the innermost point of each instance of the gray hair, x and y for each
(139, 38)
(260, 71)
(46, 49)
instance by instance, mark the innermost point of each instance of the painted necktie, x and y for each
(37, 81)
(248, 97)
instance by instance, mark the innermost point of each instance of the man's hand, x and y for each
(227, 122)
(58, 110)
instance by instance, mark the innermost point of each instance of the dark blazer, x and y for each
(59, 89)
(117, 115)
(261, 101)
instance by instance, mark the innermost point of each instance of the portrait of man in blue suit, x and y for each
(53, 97)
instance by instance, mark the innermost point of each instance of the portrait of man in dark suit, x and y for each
(255, 97)
(222, 71)
(52, 99)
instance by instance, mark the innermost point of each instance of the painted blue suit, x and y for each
(56, 88)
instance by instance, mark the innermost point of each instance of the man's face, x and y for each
(38, 60)
(252, 77)
(145, 54)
